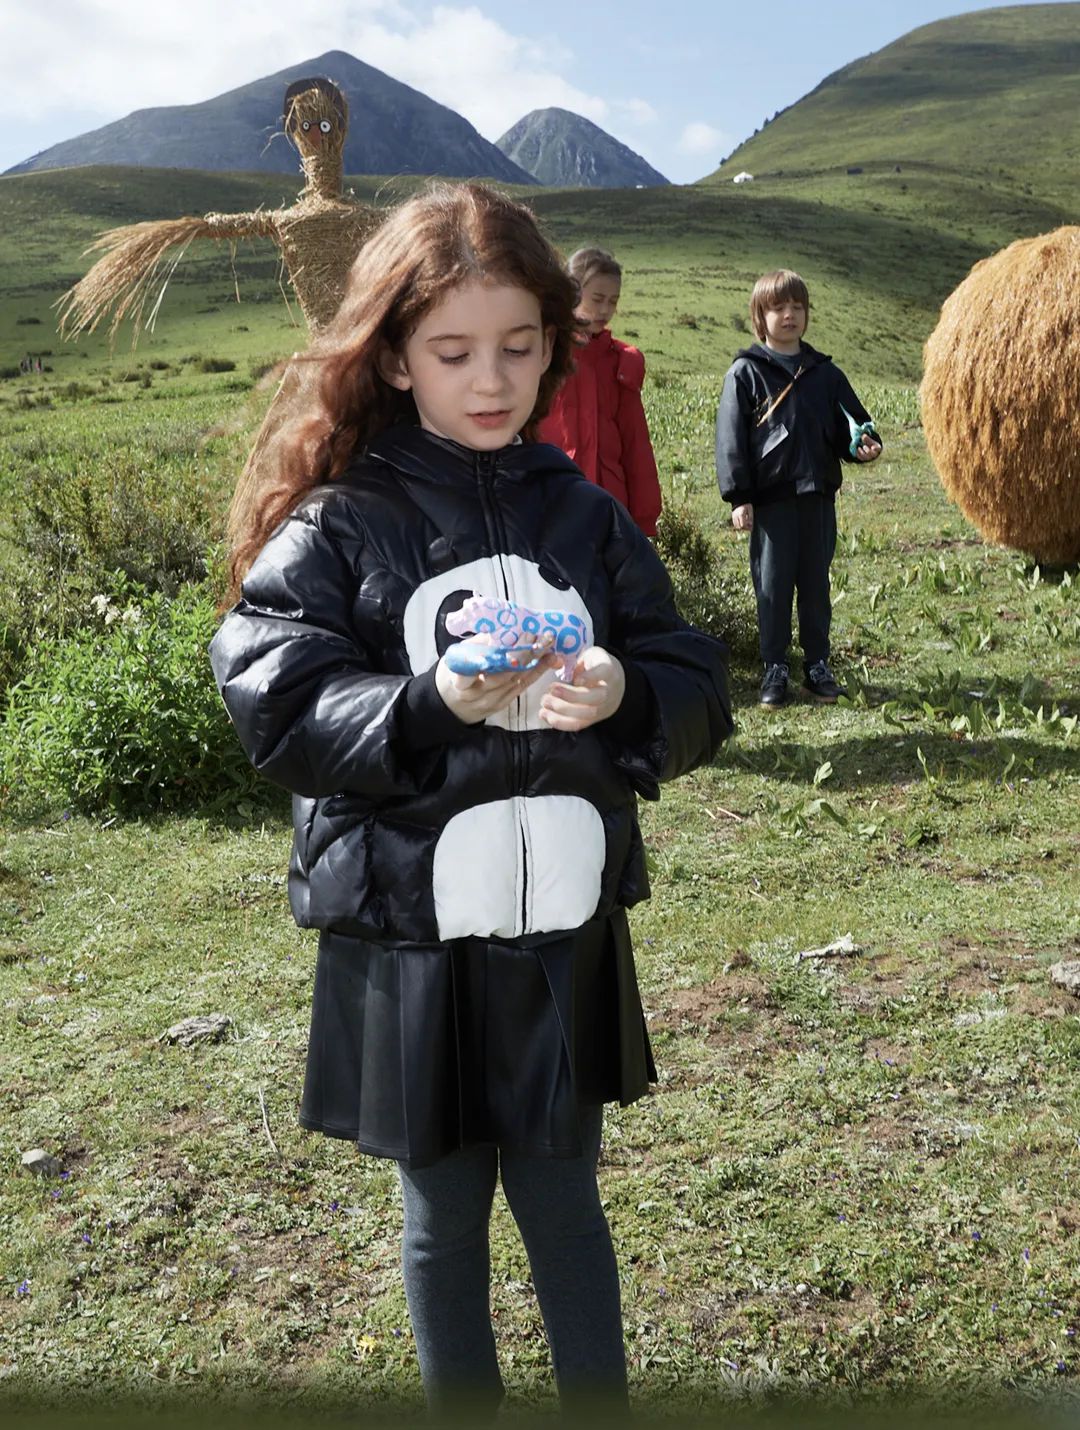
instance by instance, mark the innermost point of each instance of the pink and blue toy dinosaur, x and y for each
(516, 637)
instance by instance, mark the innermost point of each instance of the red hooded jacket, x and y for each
(598, 421)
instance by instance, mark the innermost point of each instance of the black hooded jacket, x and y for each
(799, 446)
(412, 827)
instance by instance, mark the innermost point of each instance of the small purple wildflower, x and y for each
(56, 1193)
(1071, 1333)
(232, 1270)
(397, 1332)
(66, 815)
(1061, 1367)
(976, 1236)
(1027, 1253)
(662, 1290)
(889, 1063)
(64, 1176)
(333, 1206)
(841, 1217)
(86, 1238)
(23, 1288)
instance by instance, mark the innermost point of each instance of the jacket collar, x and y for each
(422, 454)
(759, 353)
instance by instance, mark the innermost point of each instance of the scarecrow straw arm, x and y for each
(137, 257)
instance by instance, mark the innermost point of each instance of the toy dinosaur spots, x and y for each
(512, 627)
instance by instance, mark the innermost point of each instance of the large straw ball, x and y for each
(1001, 396)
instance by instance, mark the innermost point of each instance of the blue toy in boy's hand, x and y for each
(472, 658)
(858, 430)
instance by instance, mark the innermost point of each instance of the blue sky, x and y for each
(680, 81)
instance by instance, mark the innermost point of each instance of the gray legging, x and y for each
(446, 1261)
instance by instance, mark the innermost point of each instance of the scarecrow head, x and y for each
(316, 118)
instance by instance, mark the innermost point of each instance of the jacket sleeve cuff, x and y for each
(425, 718)
(634, 722)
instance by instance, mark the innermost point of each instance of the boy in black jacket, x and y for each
(787, 418)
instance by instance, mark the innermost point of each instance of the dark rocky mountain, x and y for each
(392, 130)
(567, 151)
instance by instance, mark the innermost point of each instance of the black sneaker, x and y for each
(821, 684)
(774, 686)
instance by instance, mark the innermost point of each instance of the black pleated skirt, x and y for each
(416, 1051)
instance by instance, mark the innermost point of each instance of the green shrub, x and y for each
(122, 714)
(709, 591)
(212, 364)
(76, 528)
(149, 521)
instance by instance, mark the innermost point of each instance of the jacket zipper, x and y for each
(485, 472)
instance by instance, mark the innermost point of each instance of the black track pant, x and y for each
(791, 548)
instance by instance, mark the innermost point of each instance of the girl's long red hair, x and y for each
(332, 399)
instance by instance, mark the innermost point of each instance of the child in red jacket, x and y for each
(597, 417)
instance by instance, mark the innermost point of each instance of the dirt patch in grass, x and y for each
(884, 1051)
(976, 969)
(703, 1007)
(880, 981)
(889, 1133)
(1043, 1000)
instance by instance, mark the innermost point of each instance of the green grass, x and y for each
(796, 1208)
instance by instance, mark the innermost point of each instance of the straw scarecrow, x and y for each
(1001, 397)
(318, 236)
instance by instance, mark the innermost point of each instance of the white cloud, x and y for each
(108, 57)
(466, 60)
(637, 112)
(701, 138)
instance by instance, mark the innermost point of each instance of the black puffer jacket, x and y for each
(798, 448)
(412, 827)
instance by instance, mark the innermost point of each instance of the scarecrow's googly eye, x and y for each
(324, 125)
(305, 125)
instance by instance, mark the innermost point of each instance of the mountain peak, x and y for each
(567, 150)
(393, 129)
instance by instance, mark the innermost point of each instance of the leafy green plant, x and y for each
(708, 594)
(151, 523)
(122, 714)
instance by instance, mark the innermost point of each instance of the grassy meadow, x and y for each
(857, 1177)
(987, 95)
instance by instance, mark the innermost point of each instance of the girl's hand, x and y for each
(868, 450)
(742, 518)
(597, 692)
(472, 698)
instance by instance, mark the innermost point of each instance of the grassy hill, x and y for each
(994, 94)
(881, 251)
